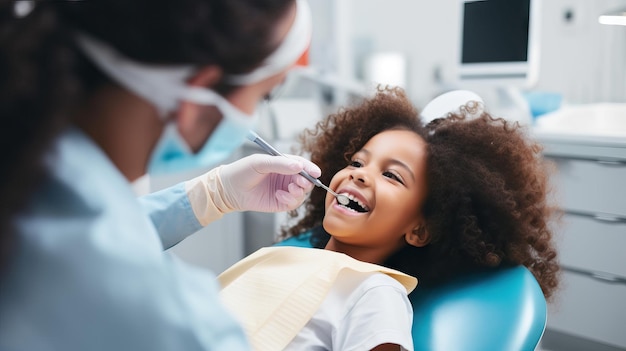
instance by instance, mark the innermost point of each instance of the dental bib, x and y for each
(275, 291)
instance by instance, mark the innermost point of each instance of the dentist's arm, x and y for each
(261, 183)
(171, 214)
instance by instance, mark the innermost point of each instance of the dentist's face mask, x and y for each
(173, 154)
(165, 87)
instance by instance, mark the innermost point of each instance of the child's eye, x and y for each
(393, 176)
(355, 163)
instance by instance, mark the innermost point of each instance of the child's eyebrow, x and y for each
(392, 161)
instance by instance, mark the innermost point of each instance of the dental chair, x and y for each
(503, 310)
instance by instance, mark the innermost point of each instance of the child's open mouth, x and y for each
(355, 205)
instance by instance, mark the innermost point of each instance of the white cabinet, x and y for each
(590, 185)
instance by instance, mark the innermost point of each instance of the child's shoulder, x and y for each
(360, 283)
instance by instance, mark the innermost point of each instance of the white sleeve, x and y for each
(378, 313)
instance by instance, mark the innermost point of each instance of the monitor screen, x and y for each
(498, 41)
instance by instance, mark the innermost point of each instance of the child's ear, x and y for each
(418, 237)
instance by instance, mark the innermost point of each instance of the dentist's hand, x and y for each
(266, 183)
(255, 183)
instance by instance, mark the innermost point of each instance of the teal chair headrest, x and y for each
(496, 310)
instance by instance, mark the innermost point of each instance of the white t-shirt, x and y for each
(361, 311)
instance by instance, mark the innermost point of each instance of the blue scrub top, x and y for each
(90, 272)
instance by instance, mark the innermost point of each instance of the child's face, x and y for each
(388, 178)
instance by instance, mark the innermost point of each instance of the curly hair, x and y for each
(43, 76)
(487, 203)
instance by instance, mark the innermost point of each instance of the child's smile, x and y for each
(357, 202)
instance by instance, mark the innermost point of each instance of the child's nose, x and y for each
(360, 175)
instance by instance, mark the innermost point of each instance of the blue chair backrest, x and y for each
(502, 310)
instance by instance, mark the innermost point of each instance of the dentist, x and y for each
(94, 94)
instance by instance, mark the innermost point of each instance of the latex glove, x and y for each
(267, 183)
(258, 182)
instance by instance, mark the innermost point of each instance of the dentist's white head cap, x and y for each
(294, 45)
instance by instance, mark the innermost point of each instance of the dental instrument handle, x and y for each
(342, 199)
(255, 138)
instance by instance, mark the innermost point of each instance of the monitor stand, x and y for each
(510, 104)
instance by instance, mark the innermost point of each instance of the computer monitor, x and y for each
(499, 43)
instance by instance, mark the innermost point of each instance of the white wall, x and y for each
(581, 59)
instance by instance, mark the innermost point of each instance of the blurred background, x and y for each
(550, 65)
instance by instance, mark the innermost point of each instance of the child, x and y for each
(456, 196)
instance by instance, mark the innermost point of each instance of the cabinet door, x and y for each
(590, 308)
(593, 245)
(591, 186)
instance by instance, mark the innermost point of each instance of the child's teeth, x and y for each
(352, 198)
